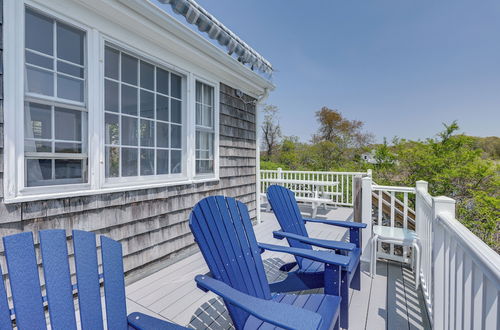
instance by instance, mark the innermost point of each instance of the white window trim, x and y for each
(14, 190)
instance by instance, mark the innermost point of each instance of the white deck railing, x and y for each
(340, 190)
(460, 274)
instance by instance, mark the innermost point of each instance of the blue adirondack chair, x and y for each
(28, 303)
(309, 272)
(223, 230)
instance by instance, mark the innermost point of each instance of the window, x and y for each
(55, 115)
(205, 128)
(143, 117)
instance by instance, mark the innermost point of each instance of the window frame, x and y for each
(15, 189)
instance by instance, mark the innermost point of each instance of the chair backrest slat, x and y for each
(114, 284)
(89, 298)
(24, 281)
(5, 321)
(57, 279)
(288, 214)
(223, 230)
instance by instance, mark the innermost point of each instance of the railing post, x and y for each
(421, 186)
(356, 198)
(280, 173)
(440, 205)
(369, 173)
(366, 217)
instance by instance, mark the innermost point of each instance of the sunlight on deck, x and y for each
(388, 301)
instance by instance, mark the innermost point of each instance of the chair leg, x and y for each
(337, 324)
(356, 278)
(314, 211)
(373, 261)
(344, 304)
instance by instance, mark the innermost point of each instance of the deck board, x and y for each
(172, 293)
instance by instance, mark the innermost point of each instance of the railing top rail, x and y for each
(315, 172)
(393, 188)
(481, 254)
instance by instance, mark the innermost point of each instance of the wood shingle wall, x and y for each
(151, 224)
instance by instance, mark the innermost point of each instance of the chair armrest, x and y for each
(345, 224)
(281, 315)
(321, 256)
(142, 321)
(324, 243)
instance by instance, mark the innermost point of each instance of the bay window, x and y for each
(87, 113)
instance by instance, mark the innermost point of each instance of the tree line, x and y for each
(462, 167)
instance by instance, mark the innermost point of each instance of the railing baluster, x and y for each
(393, 210)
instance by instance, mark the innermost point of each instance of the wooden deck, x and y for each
(388, 301)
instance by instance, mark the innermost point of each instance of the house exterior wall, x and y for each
(151, 224)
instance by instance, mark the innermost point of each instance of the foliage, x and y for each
(271, 130)
(453, 164)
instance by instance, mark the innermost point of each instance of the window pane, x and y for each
(176, 165)
(207, 116)
(199, 92)
(66, 147)
(208, 93)
(39, 60)
(162, 135)
(39, 32)
(110, 96)
(129, 131)
(38, 121)
(68, 169)
(112, 129)
(37, 171)
(111, 62)
(199, 115)
(161, 107)
(70, 69)
(176, 112)
(176, 136)
(70, 88)
(37, 146)
(147, 104)
(204, 166)
(68, 124)
(176, 85)
(70, 43)
(129, 69)
(147, 76)
(39, 81)
(162, 162)
(147, 131)
(129, 162)
(129, 100)
(112, 162)
(162, 81)
(147, 161)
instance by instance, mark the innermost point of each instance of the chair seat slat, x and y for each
(57, 279)
(24, 281)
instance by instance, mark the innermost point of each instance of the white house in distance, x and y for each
(117, 118)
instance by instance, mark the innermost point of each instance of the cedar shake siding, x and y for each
(151, 224)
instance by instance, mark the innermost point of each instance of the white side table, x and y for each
(399, 236)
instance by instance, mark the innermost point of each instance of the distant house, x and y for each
(117, 118)
(369, 157)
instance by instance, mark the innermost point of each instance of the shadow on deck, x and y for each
(387, 301)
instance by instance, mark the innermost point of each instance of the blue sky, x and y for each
(403, 67)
